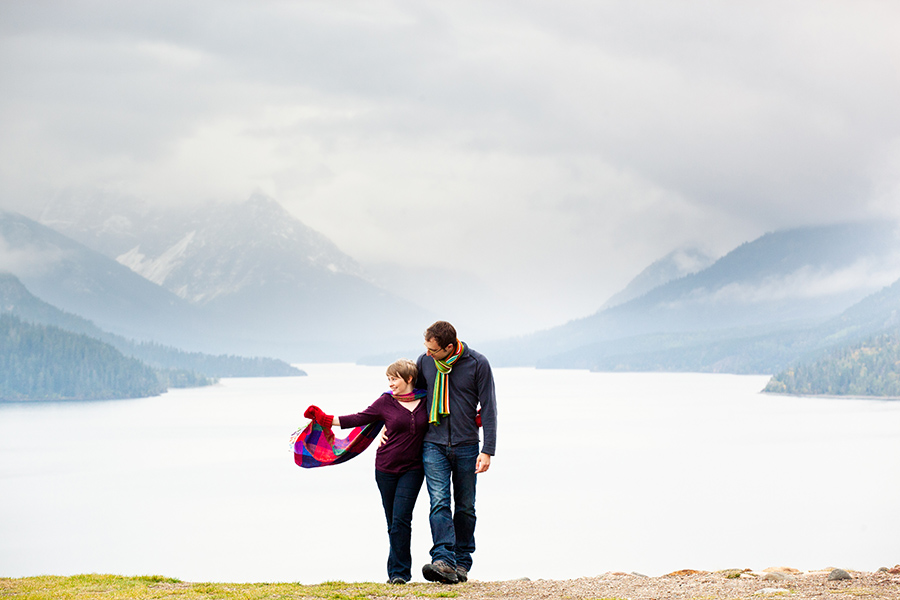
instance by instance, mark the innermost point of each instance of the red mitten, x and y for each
(478, 419)
(316, 414)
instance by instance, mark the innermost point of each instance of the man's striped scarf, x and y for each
(440, 396)
(315, 446)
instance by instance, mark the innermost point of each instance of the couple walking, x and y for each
(432, 416)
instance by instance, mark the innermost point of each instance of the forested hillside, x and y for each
(40, 362)
(868, 368)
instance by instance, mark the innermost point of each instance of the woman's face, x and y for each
(399, 386)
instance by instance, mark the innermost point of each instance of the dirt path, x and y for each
(694, 585)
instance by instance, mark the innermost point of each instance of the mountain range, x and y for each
(762, 305)
(675, 265)
(243, 278)
(250, 278)
(76, 279)
(16, 301)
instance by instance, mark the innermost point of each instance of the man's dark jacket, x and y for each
(471, 387)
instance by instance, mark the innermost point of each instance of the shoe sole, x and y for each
(432, 574)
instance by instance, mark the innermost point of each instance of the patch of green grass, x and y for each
(155, 587)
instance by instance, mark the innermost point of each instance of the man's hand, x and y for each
(483, 463)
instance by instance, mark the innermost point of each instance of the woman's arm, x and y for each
(370, 415)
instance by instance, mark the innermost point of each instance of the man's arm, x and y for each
(487, 400)
(421, 383)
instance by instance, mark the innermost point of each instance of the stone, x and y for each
(790, 570)
(839, 575)
(777, 576)
(770, 591)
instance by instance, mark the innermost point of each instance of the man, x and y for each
(459, 383)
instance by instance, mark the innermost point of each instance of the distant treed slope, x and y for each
(868, 368)
(220, 365)
(740, 351)
(46, 363)
(874, 313)
(15, 299)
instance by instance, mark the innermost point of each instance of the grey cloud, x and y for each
(587, 125)
(28, 258)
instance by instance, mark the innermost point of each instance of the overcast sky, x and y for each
(552, 148)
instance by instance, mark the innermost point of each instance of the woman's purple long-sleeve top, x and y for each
(405, 430)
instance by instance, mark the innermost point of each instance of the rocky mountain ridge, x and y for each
(244, 278)
(202, 253)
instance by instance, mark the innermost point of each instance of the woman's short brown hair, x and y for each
(403, 368)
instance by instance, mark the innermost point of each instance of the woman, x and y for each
(398, 462)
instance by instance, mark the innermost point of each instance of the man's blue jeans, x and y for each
(452, 531)
(398, 496)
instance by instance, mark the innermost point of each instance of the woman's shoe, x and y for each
(397, 581)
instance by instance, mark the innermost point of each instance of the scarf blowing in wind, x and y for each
(440, 398)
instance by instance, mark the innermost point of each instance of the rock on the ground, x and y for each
(778, 576)
(839, 575)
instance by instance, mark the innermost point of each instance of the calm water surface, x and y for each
(594, 473)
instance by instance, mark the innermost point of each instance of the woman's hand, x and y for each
(318, 415)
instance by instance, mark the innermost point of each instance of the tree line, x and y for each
(867, 368)
(43, 362)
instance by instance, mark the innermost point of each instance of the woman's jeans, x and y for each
(398, 496)
(452, 532)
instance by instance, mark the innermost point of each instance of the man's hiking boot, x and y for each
(440, 571)
(462, 574)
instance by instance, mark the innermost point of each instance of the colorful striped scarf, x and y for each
(316, 446)
(440, 396)
(413, 395)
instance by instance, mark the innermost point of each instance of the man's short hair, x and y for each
(443, 333)
(403, 368)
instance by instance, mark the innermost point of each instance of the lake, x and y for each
(594, 472)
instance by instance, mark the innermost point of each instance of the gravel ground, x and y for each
(698, 585)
